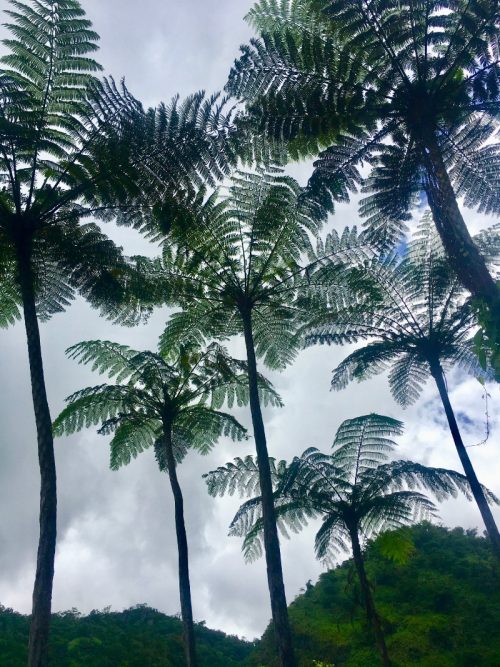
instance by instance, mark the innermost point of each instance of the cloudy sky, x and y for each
(116, 541)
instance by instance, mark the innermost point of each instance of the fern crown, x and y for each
(73, 146)
(180, 391)
(356, 489)
(365, 83)
(415, 319)
(242, 258)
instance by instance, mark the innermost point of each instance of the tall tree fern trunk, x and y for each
(271, 539)
(371, 610)
(182, 547)
(42, 591)
(462, 253)
(477, 491)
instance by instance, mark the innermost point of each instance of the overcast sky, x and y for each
(116, 539)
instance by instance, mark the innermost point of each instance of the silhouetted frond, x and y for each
(363, 80)
(167, 399)
(412, 312)
(355, 489)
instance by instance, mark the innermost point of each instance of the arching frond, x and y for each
(364, 442)
(105, 356)
(331, 538)
(10, 297)
(241, 476)
(365, 362)
(477, 178)
(395, 510)
(203, 426)
(441, 482)
(130, 439)
(407, 377)
(355, 489)
(92, 406)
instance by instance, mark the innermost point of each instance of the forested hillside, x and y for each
(440, 608)
(137, 637)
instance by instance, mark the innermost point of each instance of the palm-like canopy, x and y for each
(56, 119)
(247, 258)
(242, 256)
(356, 491)
(170, 401)
(416, 323)
(355, 488)
(183, 388)
(410, 88)
(74, 147)
(417, 316)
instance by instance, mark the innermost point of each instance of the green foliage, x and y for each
(396, 545)
(55, 120)
(73, 146)
(355, 490)
(485, 339)
(136, 637)
(367, 81)
(415, 316)
(440, 607)
(181, 388)
(243, 258)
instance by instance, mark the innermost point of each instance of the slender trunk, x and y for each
(271, 539)
(477, 491)
(462, 253)
(182, 546)
(42, 590)
(371, 611)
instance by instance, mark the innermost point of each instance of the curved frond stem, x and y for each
(372, 21)
(479, 28)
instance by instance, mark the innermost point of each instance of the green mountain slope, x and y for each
(137, 637)
(440, 609)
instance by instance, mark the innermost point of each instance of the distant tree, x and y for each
(409, 87)
(72, 147)
(236, 266)
(417, 323)
(170, 401)
(356, 492)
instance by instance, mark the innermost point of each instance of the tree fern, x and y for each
(356, 491)
(410, 89)
(237, 266)
(415, 324)
(169, 401)
(74, 147)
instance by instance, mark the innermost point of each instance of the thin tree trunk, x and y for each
(477, 491)
(371, 611)
(182, 546)
(464, 257)
(271, 539)
(42, 590)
